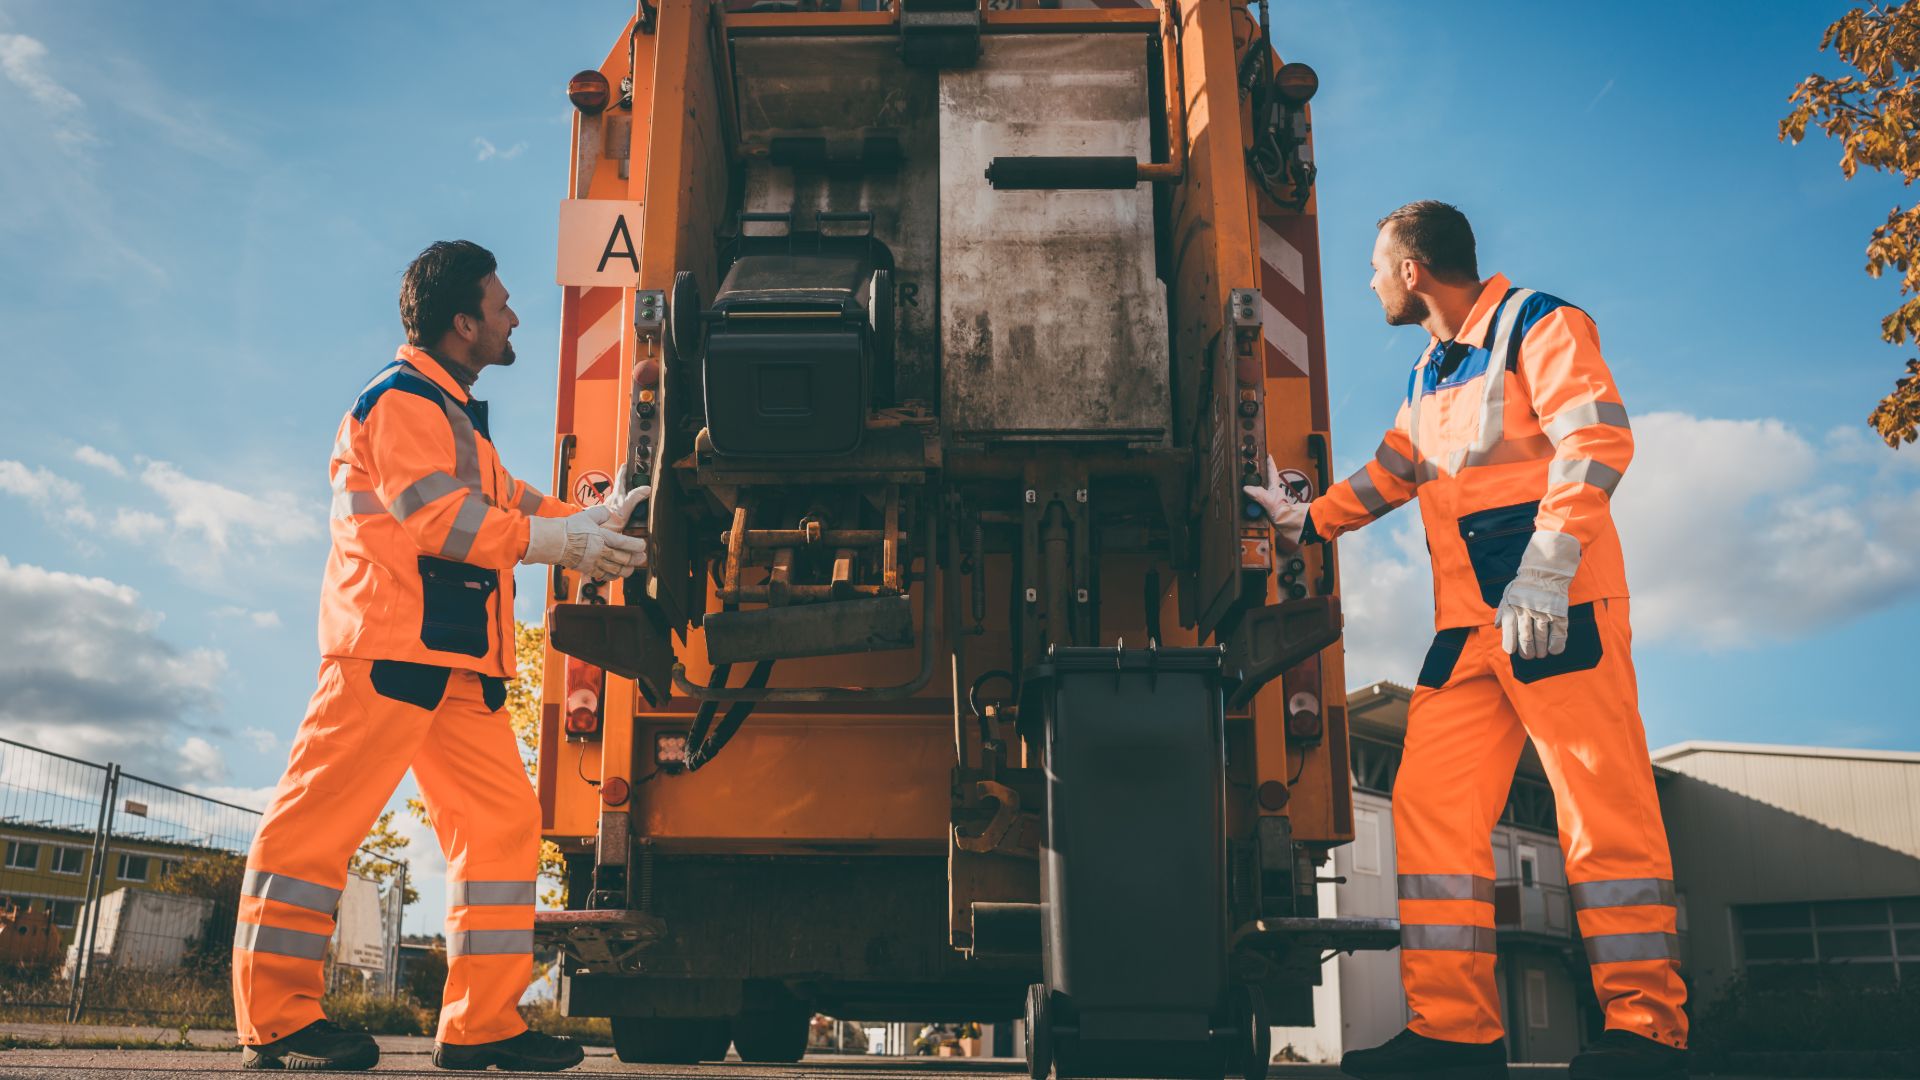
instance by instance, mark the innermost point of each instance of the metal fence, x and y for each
(123, 893)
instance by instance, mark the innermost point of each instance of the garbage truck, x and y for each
(963, 682)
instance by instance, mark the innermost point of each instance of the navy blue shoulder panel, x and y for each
(1536, 307)
(402, 378)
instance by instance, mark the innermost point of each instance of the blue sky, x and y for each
(205, 209)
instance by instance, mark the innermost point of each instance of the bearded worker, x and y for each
(417, 644)
(1513, 436)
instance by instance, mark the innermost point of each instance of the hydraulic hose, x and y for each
(700, 753)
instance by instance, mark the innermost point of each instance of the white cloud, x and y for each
(219, 515)
(265, 620)
(262, 740)
(99, 459)
(84, 671)
(23, 63)
(202, 761)
(484, 150)
(57, 498)
(137, 524)
(254, 798)
(1735, 531)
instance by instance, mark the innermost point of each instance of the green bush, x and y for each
(1825, 1012)
(364, 1010)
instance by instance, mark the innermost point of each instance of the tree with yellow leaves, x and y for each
(1876, 116)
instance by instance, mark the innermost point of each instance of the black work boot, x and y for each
(1412, 1056)
(529, 1051)
(319, 1045)
(1622, 1055)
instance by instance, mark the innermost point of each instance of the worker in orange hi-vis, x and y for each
(1513, 436)
(416, 639)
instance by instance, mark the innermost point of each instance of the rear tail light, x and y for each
(589, 91)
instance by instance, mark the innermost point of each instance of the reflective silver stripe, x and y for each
(1493, 405)
(466, 528)
(1414, 399)
(1592, 414)
(1530, 448)
(351, 503)
(1427, 471)
(489, 942)
(1616, 948)
(280, 941)
(290, 890)
(1370, 497)
(530, 501)
(1625, 892)
(434, 485)
(1394, 462)
(1584, 471)
(1446, 938)
(1446, 887)
(489, 893)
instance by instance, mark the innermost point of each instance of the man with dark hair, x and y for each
(1513, 436)
(417, 645)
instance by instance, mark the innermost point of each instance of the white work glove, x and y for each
(1533, 611)
(1288, 514)
(591, 541)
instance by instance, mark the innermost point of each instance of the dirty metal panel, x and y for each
(1053, 324)
(830, 628)
(845, 90)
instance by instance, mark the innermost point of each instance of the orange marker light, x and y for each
(614, 791)
(589, 91)
(1296, 82)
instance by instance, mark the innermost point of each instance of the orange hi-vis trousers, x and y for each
(369, 721)
(1472, 713)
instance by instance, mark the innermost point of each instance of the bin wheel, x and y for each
(772, 1035)
(1256, 1037)
(1039, 1042)
(668, 1040)
(683, 315)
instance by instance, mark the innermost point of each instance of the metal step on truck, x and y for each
(946, 333)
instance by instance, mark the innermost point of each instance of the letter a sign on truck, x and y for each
(599, 243)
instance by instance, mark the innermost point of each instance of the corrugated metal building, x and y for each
(1784, 857)
(1789, 856)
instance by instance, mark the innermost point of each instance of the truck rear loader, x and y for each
(946, 333)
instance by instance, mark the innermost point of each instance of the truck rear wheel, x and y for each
(669, 1040)
(773, 1035)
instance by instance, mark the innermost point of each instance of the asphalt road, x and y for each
(413, 1057)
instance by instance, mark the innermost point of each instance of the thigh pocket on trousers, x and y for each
(422, 685)
(453, 605)
(493, 691)
(1442, 655)
(1582, 652)
(1496, 539)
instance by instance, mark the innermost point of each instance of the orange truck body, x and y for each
(828, 832)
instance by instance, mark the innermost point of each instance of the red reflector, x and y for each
(1297, 83)
(589, 91)
(1273, 795)
(582, 722)
(614, 791)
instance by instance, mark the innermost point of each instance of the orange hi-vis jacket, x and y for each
(427, 526)
(1514, 437)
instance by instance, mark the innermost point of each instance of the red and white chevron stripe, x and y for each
(597, 352)
(1286, 306)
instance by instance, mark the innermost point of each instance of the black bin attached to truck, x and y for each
(1134, 920)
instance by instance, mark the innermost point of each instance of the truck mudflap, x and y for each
(599, 942)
